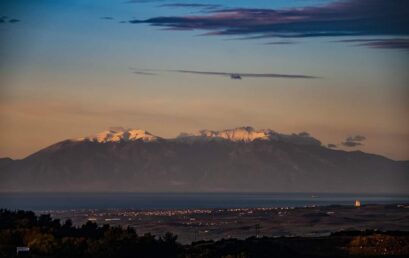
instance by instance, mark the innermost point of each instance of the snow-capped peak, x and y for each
(249, 134)
(240, 134)
(121, 134)
(246, 134)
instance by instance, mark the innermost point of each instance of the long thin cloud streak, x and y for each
(199, 6)
(380, 43)
(142, 1)
(143, 73)
(340, 18)
(232, 75)
(255, 75)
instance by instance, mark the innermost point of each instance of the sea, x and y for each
(149, 201)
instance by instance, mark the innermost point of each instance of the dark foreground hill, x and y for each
(47, 237)
(209, 162)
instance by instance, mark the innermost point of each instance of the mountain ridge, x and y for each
(206, 161)
(244, 133)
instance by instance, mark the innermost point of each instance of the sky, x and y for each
(335, 69)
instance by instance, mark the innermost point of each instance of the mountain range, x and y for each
(240, 159)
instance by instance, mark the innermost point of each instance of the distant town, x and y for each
(214, 224)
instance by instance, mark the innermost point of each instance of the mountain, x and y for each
(5, 162)
(241, 159)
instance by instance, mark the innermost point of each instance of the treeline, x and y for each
(48, 237)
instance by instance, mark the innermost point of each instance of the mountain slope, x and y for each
(5, 162)
(278, 163)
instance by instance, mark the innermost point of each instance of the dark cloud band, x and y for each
(339, 18)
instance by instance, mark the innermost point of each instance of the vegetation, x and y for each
(48, 237)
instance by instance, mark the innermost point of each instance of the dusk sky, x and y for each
(73, 68)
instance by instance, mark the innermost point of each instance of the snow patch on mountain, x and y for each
(249, 134)
(245, 134)
(121, 134)
(240, 134)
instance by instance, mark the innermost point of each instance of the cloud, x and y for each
(143, 1)
(107, 18)
(332, 146)
(339, 18)
(143, 73)
(233, 75)
(357, 138)
(5, 19)
(394, 43)
(353, 141)
(192, 5)
(351, 144)
(280, 43)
